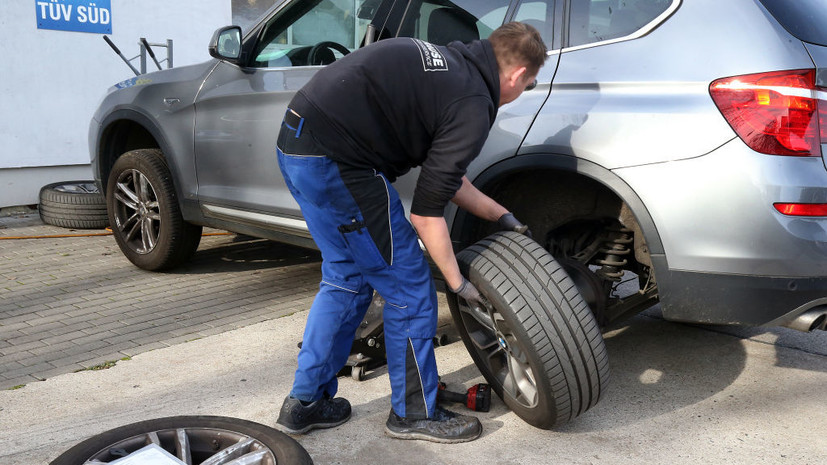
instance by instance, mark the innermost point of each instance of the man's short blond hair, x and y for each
(518, 44)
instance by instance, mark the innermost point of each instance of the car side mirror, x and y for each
(226, 44)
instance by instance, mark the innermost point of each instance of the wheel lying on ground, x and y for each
(192, 439)
(539, 347)
(73, 204)
(144, 212)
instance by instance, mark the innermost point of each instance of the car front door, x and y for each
(239, 108)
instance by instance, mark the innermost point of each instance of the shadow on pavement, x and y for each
(247, 253)
(658, 367)
(788, 343)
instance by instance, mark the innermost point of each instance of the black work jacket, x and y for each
(401, 103)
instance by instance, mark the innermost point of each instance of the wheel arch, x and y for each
(517, 182)
(121, 131)
(126, 129)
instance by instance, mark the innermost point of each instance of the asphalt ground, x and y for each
(219, 337)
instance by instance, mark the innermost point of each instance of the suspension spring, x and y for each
(615, 248)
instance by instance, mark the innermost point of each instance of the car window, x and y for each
(805, 19)
(593, 21)
(442, 21)
(313, 32)
(539, 15)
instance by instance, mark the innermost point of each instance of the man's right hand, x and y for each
(471, 295)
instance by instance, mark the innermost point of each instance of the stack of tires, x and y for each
(73, 204)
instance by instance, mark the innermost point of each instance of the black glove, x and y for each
(471, 295)
(507, 222)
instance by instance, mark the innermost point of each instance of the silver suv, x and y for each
(674, 146)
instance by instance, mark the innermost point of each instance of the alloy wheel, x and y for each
(502, 352)
(192, 445)
(137, 212)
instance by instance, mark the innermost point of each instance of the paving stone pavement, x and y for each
(74, 303)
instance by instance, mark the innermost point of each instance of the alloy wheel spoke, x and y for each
(134, 226)
(143, 188)
(147, 234)
(480, 328)
(126, 196)
(516, 352)
(182, 446)
(253, 458)
(153, 211)
(152, 438)
(520, 381)
(129, 224)
(485, 342)
(480, 316)
(230, 454)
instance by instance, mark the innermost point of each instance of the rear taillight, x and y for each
(776, 113)
(822, 115)
(801, 209)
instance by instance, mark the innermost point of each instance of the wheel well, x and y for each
(546, 199)
(118, 138)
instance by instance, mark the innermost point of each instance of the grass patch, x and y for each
(105, 365)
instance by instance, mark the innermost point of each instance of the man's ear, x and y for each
(515, 74)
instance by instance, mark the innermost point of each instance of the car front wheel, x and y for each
(144, 212)
(538, 345)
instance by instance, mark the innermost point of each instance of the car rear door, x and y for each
(239, 108)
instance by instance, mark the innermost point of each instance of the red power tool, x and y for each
(477, 398)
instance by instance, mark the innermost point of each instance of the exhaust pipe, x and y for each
(815, 318)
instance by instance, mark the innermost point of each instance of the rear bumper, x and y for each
(734, 299)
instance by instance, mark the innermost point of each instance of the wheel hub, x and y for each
(501, 341)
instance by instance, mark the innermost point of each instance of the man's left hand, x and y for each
(508, 222)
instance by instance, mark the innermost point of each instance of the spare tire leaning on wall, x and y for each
(73, 204)
(538, 346)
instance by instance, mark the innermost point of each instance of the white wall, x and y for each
(52, 81)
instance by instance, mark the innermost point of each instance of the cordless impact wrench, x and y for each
(477, 398)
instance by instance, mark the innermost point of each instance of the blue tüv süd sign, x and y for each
(75, 15)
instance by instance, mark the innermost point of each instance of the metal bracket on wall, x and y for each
(145, 49)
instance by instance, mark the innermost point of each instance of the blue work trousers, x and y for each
(367, 244)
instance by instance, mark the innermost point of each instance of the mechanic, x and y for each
(354, 128)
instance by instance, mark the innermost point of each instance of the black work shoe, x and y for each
(445, 426)
(324, 413)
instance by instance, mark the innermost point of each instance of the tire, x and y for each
(144, 212)
(73, 204)
(540, 348)
(196, 437)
